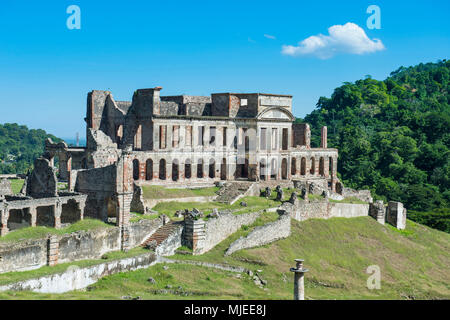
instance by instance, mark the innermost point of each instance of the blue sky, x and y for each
(199, 47)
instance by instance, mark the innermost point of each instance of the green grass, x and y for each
(160, 192)
(16, 185)
(42, 232)
(135, 216)
(349, 200)
(253, 204)
(414, 265)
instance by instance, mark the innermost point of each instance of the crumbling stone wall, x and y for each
(323, 209)
(396, 214)
(363, 195)
(42, 182)
(215, 230)
(5, 188)
(262, 235)
(23, 255)
(80, 245)
(378, 211)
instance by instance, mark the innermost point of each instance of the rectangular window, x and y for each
(201, 132)
(212, 136)
(263, 139)
(188, 136)
(162, 137)
(274, 138)
(285, 139)
(175, 136)
(224, 137)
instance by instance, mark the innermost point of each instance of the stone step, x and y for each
(161, 234)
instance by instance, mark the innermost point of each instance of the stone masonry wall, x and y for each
(262, 235)
(216, 230)
(33, 254)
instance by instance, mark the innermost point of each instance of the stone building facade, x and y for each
(180, 139)
(187, 140)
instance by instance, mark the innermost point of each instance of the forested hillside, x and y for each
(19, 146)
(393, 135)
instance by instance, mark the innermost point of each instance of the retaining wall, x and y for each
(75, 278)
(80, 245)
(262, 235)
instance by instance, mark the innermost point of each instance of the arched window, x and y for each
(223, 169)
(273, 169)
(162, 169)
(175, 170)
(313, 166)
(303, 166)
(136, 169)
(293, 166)
(149, 169)
(212, 168)
(321, 166)
(284, 169)
(200, 168)
(187, 169)
(262, 169)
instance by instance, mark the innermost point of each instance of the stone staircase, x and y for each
(162, 233)
(233, 191)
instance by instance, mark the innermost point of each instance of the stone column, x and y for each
(81, 206)
(33, 214)
(57, 210)
(323, 140)
(4, 216)
(326, 166)
(299, 282)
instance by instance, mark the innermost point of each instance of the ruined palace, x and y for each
(185, 140)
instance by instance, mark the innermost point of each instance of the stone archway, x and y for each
(162, 169)
(303, 166)
(136, 169)
(149, 169)
(284, 169)
(175, 170)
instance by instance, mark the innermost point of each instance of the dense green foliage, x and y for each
(437, 219)
(19, 146)
(392, 135)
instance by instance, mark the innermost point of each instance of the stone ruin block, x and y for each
(378, 211)
(5, 188)
(396, 215)
(42, 182)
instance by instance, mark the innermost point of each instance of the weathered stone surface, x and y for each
(5, 187)
(262, 235)
(138, 203)
(396, 215)
(42, 182)
(378, 211)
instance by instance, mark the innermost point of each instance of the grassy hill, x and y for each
(413, 262)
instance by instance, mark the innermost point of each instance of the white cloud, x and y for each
(268, 36)
(347, 38)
